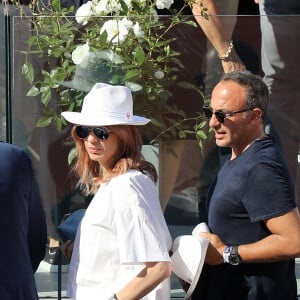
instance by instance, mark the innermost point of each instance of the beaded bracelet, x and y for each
(227, 53)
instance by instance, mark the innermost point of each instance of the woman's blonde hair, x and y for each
(129, 156)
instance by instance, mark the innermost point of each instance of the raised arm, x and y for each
(219, 33)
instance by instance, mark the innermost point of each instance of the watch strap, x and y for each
(234, 250)
(226, 254)
(231, 255)
(234, 253)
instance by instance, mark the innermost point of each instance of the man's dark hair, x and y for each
(257, 90)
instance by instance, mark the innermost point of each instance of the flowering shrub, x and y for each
(115, 41)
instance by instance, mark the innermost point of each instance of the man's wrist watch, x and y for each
(231, 255)
(113, 297)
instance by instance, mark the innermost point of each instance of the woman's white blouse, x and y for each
(123, 227)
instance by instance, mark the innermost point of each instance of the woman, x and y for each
(121, 250)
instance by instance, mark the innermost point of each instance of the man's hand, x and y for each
(214, 254)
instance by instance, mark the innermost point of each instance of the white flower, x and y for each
(127, 23)
(109, 55)
(100, 8)
(159, 74)
(161, 4)
(114, 6)
(138, 30)
(116, 31)
(154, 15)
(135, 87)
(81, 55)
(67, 55)
(129, 3)
(106, 7)
(84, 13)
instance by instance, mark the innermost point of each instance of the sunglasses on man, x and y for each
(220, 115)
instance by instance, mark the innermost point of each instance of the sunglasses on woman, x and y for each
(101, 133)
(220, 115)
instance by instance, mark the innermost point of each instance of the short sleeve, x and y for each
(271, 193)
(142, 233)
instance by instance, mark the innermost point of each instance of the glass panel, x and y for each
(2, 78)
(184, 178)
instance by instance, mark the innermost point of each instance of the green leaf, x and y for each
(189, 131)
(28, 72)
(72, 155)
(58, 124)
(201, 125)
(131, 74)
(63, 121)
(139, 55)
(124, 7)
(201, 134)
(182, 134)
(200, 143)
(191, 23)
(44, 121)
(31, 40)
(155, 122)
(160, 58)
(188, 85)
(103, 38)
(34, 91)
(46, 95)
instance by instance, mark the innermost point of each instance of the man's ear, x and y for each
(256, 114)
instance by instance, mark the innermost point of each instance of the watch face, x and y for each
(234, 260)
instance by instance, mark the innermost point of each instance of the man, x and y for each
(22, 225)
(252, 214)
(280, 53)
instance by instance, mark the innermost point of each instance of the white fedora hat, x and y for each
(188, 258)
(106, 105)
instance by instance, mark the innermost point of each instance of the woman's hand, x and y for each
(67, 249)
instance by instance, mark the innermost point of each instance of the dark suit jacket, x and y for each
(23, 232)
